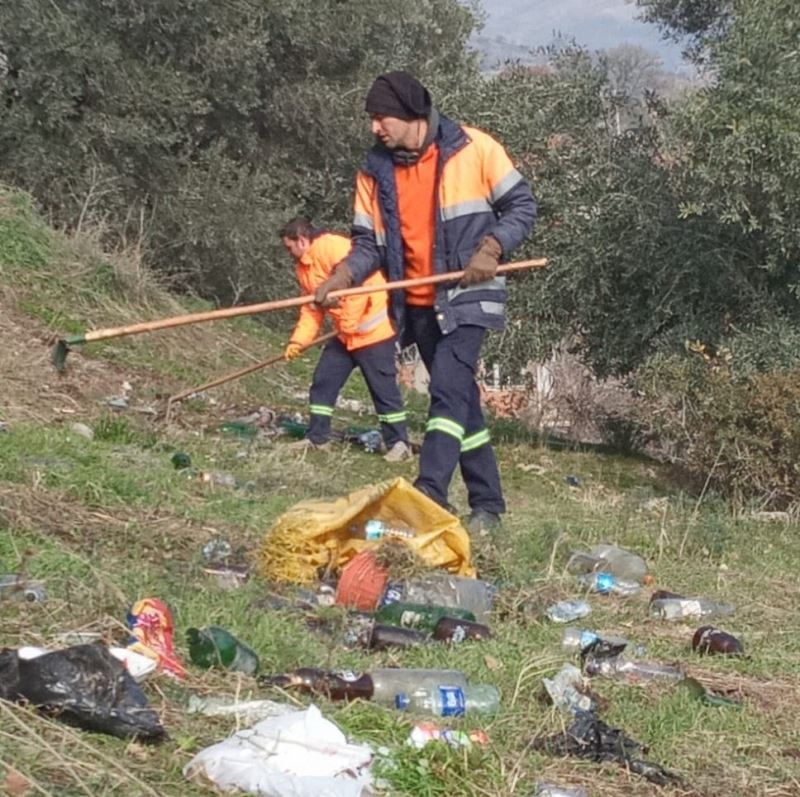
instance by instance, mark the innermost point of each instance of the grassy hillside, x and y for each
(106, 521)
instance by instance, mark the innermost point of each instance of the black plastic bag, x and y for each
(83, 685)
(589, 737)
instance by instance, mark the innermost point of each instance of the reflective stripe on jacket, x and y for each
(479, 192)
(359, 320)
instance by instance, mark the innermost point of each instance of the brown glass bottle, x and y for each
(388, 636)
(663, 594)
(451, 629)
(708, 640)
(339, 685)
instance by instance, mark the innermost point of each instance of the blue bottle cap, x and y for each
(401, 700)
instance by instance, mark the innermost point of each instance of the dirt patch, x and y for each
(33, 391)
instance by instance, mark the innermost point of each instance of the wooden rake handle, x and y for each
(244, 371)
(280, 304)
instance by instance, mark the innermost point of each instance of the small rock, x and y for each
(120, 403)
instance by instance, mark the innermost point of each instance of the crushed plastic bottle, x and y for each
(550, 790)
(567, 611)
(450, 701)
(632, 671)
(19, 588)
(443, 589)
(608, 584)
(215, 478)
(623, 564)
(564, 690)
(576, 640)
(679, 608)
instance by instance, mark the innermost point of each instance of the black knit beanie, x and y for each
(400, 95)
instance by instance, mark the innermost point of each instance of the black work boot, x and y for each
(482, 520)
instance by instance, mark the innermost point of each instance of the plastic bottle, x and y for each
(549, 790)
(678, 608)
(378, 529)
(566, 611)
(443, 589)
(450, 701)
(390, 681)
(417, 615)
(608, 584)
(215, 478)
(623, 564)
(20, 589)
(708, 639)
(215, 647)
(564, 690)
(621, 668)
(449, 629)
(576, 640)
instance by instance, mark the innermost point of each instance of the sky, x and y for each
(596, 24)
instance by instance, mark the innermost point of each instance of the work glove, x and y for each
(341, 278)
(293, 350)
(482, 265)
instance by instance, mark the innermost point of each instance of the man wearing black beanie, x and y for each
(434, 197)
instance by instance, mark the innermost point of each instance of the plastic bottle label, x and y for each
(348, 675)
(459, 634)
(453, 701)
(393, 594)
(410, 619)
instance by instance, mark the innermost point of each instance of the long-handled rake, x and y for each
(237, 374)
(61, 348)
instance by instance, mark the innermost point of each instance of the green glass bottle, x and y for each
(215, 647)
(419, 615)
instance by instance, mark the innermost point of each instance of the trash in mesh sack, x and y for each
(315, 535)
(83, 685)
(589, 737)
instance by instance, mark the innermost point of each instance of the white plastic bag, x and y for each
(300, 754)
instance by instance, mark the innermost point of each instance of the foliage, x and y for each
(196, 128)
(736, 430)
(698, 20)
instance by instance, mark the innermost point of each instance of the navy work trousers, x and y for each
(456, 432)
(377, 364)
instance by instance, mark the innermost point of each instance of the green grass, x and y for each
(107, 521)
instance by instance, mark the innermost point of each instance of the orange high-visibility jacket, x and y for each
(359, 320)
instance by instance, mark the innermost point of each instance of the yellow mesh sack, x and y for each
(315, 534)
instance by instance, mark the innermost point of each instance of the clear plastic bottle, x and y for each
(567, 611)
(623, 564)
(623, 669)
(678, 608)
(450, 701)
(216, 478)
(576, 640)
(564, 690)
(550, 790)
(443, 589)
(378, 529)
(608, 584)
(387, 682)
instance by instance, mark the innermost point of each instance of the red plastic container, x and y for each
(362, 583)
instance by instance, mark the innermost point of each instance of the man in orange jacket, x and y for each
(433, 197)
(365, 339)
